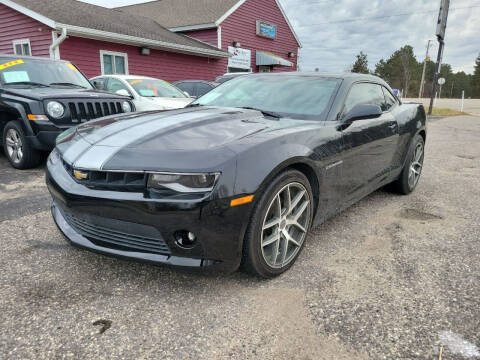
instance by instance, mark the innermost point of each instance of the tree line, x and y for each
(402, 71)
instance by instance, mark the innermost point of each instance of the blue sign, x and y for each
(266, 29)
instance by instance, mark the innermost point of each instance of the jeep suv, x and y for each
(39, 99)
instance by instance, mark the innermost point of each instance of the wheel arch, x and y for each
(302, 165)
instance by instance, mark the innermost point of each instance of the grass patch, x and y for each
(444, 112)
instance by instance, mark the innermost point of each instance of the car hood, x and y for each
(168, 103)
(161, 140)
(43, 93)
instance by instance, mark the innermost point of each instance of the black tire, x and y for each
(30, 157)
(253, 260)
(402, 185)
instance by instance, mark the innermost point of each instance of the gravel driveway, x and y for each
(393, 277)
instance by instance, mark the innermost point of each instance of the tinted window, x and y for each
(203, 88)
(294, 96)
(186, 86)
(365, 93)
(389, 100)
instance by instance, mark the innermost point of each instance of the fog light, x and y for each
(185, 239)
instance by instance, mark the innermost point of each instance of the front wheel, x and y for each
(18, 151)
(408, 180)
(279, 224)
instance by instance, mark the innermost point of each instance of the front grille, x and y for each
(81, 111)
(110, 233)
(113, 181)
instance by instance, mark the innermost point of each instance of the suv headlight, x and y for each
(126, 107)
(55, 109)
(183, 183)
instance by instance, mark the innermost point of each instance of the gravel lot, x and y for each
(393, 277)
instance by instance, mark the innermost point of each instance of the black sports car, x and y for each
(238, 177)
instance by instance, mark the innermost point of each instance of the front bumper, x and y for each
(218, 227)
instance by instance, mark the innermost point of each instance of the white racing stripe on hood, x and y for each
(103, 150)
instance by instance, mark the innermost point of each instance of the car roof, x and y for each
(203, 81)
(127, 77)
(13, 56)
(348, 76)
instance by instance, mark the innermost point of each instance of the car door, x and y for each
(369, 144)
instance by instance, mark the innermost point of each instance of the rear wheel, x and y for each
(279, 225)
(408, 180)
(18, 151)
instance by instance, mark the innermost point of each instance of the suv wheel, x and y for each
(279, 225)
(18, 151)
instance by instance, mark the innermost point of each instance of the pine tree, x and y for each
(476, 78)
(361, 64)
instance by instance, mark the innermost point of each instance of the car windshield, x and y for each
(294, 96)
(155, 88)
(38, 72)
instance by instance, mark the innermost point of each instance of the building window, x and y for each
(113, 63)
(22, 47)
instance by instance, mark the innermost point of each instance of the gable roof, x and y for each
(184, 15)
(91, 21)
(179, 13)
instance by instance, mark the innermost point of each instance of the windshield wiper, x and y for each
(33, 83)
(264, 112)
(68, 84)
(194, 105)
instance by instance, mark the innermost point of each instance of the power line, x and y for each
(387, 16)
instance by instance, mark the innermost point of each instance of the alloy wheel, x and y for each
(14, 146)
(285, 225)
(416, 166)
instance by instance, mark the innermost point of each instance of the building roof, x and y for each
(91, 21)
(184, 15)
(181, 13)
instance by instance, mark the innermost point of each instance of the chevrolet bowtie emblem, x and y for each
(80, 175)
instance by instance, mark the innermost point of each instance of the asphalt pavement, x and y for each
(393, 277)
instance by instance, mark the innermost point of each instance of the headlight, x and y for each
(55, 109)
(126, 107)
(183, 183)
(54, 156)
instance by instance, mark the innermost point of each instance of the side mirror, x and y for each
(186, 94)
(100, 85)
(363, 112)
(123, 92)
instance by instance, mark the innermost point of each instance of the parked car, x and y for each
(240, 176)
(146, 93)
(229, 76)
(196, 88)
(39, 99)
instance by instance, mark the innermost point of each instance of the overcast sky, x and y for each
(331, 40)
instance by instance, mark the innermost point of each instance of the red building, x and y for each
(168, 39)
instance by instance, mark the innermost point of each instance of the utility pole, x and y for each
(422, 83)
(440, 32)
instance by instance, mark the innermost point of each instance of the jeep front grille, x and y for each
(81, 111)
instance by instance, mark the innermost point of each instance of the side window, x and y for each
(203, 88)
(365, 93)
(115, 85)
(187, 86)
(389, 100)
(99, 83)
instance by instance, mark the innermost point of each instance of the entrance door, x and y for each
(370, 144)
(264, 68)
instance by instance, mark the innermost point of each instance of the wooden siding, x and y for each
(85, 53)
(208, 36)
(242, 26)
(16, 26)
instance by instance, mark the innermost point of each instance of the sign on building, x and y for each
(266, 29)
(241, 58)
